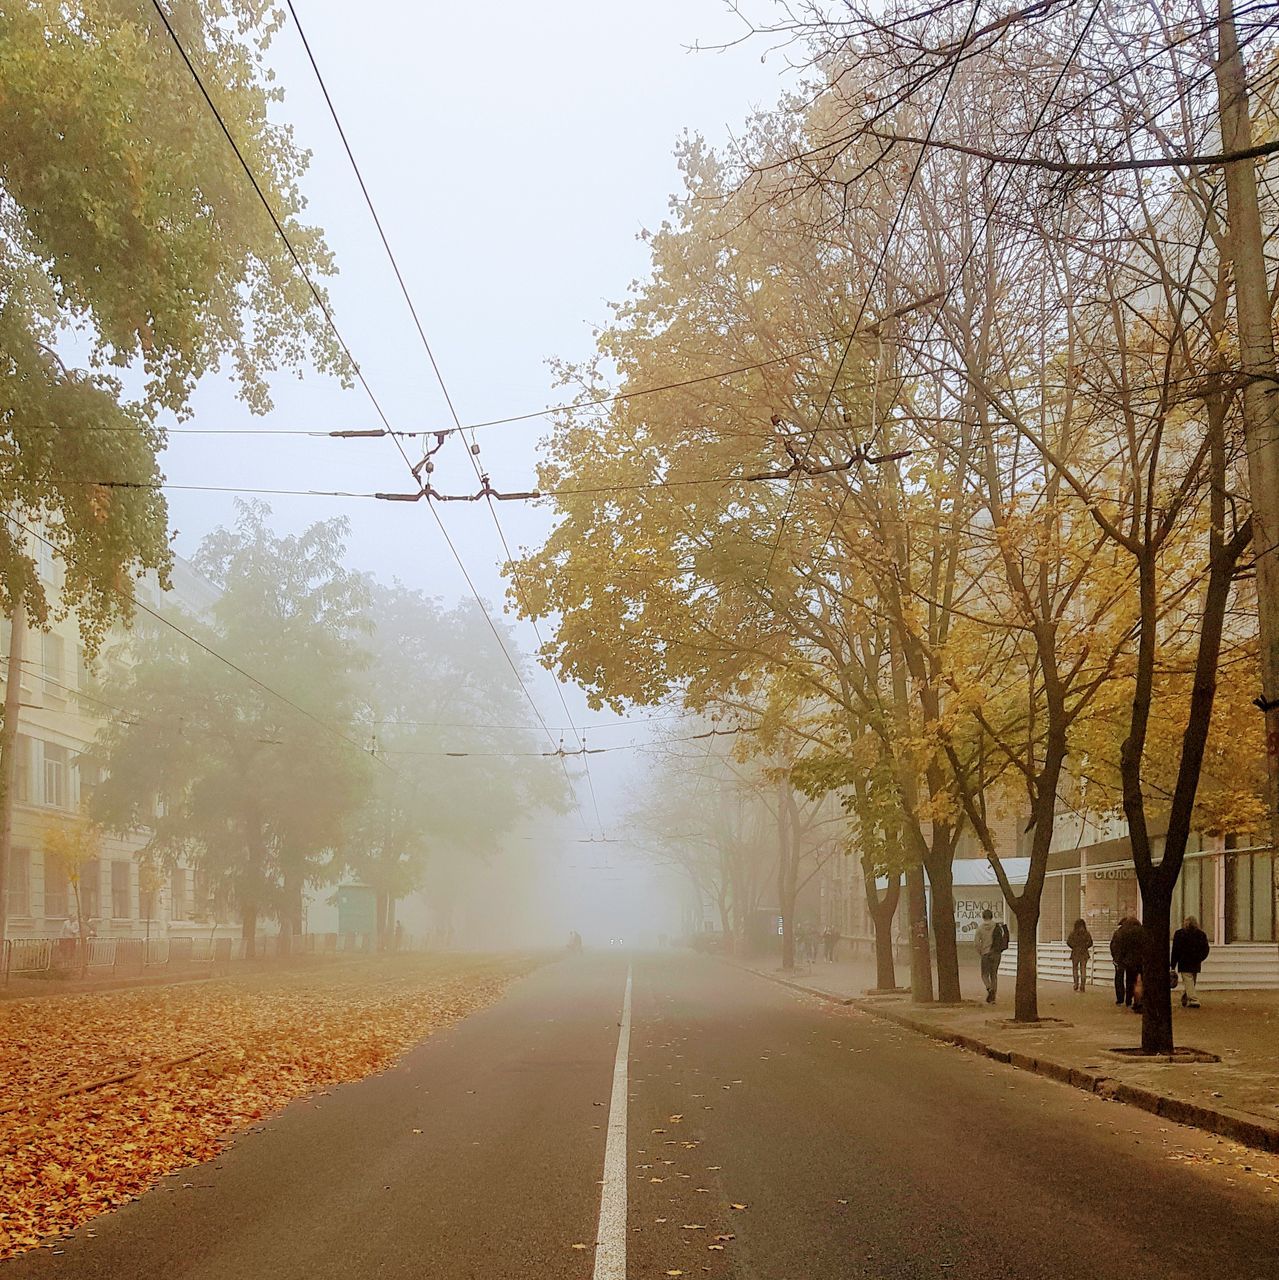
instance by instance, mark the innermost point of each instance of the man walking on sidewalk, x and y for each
(992, 941)
(1189, 950)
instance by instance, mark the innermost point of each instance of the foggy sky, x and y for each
(514, 153)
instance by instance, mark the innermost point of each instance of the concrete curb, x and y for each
(1238, 1126)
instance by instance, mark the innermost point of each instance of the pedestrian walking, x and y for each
(1080, 943)
(991, 940)
(1126, 946)
(1189, 950)
(830, 940)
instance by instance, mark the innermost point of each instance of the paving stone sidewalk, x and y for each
(1237, 1097)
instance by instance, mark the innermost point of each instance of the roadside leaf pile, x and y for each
(103, 1094)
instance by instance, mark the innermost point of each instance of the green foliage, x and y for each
(250, 789)
(433, 673)
(129, 233)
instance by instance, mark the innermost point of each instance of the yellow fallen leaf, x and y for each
(737, 1206)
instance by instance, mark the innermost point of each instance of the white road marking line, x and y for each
(610, 1238)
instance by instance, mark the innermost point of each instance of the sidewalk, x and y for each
(1237, 1097)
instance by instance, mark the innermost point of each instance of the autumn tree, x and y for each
(253, 786)
(134, 259)
(701, 812)
(713, 516)
(439, 707)
(863, 779)
(70, 843)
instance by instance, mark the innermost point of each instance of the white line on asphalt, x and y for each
(610, 1238)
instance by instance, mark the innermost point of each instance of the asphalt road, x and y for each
(769, 1137)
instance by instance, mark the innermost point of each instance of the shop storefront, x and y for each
(1228, 890)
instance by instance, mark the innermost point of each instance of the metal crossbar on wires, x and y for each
(486, 491)
(319, 302)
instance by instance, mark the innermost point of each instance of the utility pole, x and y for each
(1261, 385)
(9, 751)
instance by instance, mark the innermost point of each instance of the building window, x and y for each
(25, 683)
(57, 891)
(1052, 911)
(55, 693)
(46, 566)
(1250, 914)
(91, 889)
(83, 676)
(180, 893)
(121, 897)
(56, 791)
(85, 776)
(22, 772)
(1195, 895)
(19, 882)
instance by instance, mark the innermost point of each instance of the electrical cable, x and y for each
(328, 317)
(435, 367)
(125, 594)
(958, 275)
(874, 276)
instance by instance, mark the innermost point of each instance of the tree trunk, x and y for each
(82, 940)
(1026, 994)
(882, 911)
(941, 876)
(249, 929)
(786, 894)
(290, 914)
(383, 919)
(921, 966)
(726, 924)
(785, 878)
(1258, 361)
(9, 753)
(1156, 999)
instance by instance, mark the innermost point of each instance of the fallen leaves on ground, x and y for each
(200, 1063)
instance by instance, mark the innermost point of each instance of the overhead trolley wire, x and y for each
(439, 378)
(126, 594)
(874, 277)
(963, 266)
(318, 299)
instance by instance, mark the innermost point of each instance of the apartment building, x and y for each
(59, 718)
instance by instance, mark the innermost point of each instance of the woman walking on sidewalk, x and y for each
(1189, 950)
(1080, 944)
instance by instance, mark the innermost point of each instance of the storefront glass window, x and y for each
(1194, 895)
(1263, 901)
(1050, 927)
(1249, 898)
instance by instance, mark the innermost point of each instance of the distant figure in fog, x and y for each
(1189, 950)
(574, 941)
(1080, 944)
(830, 940)
(1126, 946)
(991, 940)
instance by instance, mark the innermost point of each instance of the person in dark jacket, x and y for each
(1126, 946)
(1189, 950)
(1080, 944)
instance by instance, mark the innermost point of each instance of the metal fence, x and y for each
(63, 956)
